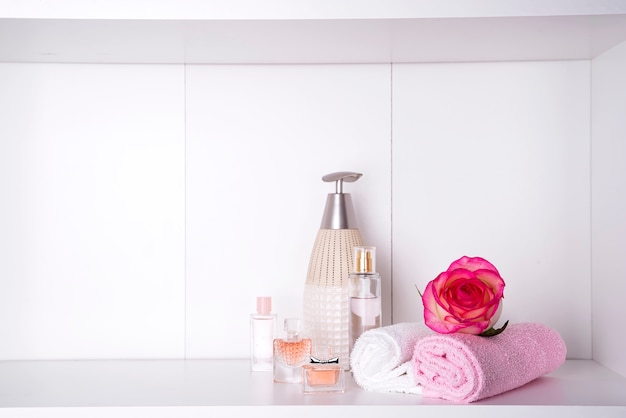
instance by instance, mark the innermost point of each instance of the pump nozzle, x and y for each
(339, 213)
(341, 176)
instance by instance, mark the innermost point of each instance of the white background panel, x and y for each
(609, 201)
(488, 159)
(91, 211)
(493, 160)
(259, 139)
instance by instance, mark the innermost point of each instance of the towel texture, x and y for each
(381, 358)
(467, 368)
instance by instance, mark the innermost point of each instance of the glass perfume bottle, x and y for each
(291, 353)
(262, 334)
(364, 291)
(323, 374)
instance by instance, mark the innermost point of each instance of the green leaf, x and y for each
(418, 291)
(493, 332)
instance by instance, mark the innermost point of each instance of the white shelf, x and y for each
(284, 32)
(195, 387)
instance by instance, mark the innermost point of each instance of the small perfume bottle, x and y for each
(262, 334)
(323, 374)
(364, 291)
(291, 353)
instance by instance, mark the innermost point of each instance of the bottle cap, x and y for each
(293, 325)
(323, 354)
(263, 305)
(364, 259)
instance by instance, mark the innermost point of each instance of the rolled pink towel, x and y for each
(467, 368)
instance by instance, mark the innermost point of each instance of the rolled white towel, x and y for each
(381, 358)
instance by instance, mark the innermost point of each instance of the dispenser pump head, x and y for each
(340, 177)
(339, 213)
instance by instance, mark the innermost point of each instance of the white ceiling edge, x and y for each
(309, 41)
(301, 9)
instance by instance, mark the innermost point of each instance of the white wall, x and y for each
(492, 160)
(259, 139)
(609, 203)
(144, 207)
(92, 226)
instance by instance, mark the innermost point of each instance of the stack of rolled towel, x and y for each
(411, 358)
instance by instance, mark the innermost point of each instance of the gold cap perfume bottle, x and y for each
(364, 287)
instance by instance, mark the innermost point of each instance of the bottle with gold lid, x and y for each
(364, 290)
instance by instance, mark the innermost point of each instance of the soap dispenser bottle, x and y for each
(326, 310)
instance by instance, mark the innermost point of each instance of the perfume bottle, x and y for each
(325, 302)
(262, 334)
(364, 291)
(291, 353)
(323, 374)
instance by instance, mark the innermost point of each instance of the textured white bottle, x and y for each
(326, 309)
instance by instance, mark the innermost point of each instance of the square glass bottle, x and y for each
(323, 374)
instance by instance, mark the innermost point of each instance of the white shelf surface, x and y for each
(194, 387)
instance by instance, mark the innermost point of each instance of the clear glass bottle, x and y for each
(364, 290)
(323, 374)
(262, 334)
(291, 353)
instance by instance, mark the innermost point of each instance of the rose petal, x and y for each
(434, 313)
(493, 280)
(428, 297)
(484, 313)
(472, 264)
(436, 324)
(469, 294)
(475, 328)
(439, 286)
(496, 316)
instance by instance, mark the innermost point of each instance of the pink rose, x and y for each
(466, 298)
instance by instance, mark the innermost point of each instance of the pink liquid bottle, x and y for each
(291, 353)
